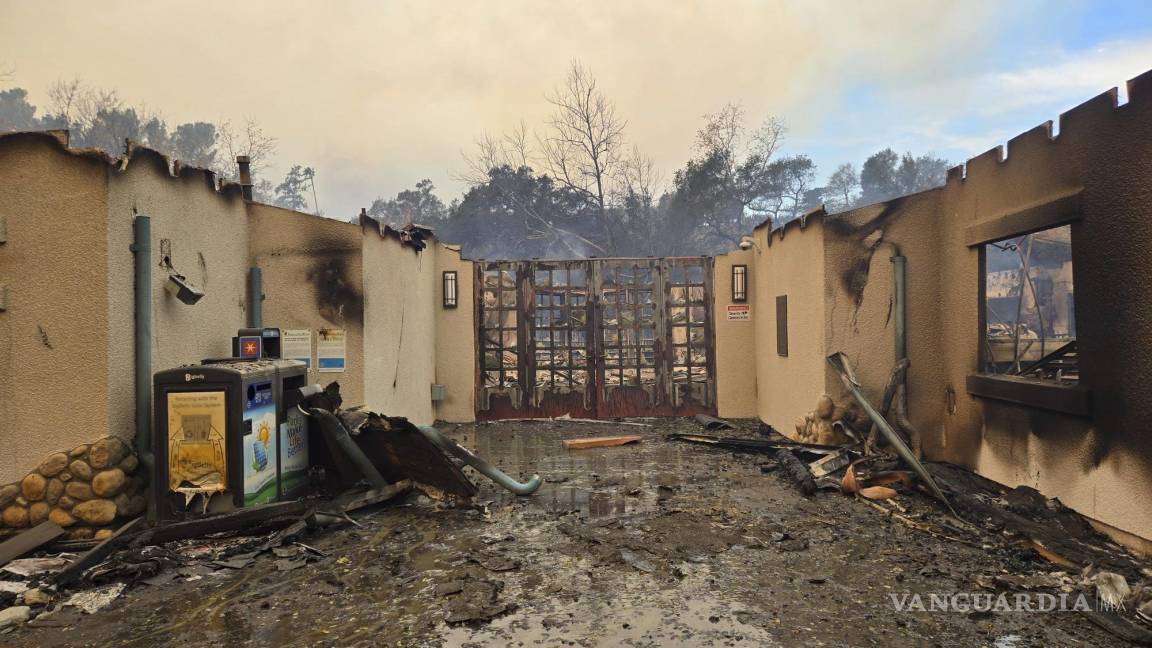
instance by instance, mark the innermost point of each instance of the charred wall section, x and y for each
(1098, 160)
(312, 272)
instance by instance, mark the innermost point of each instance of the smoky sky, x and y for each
(378, 95)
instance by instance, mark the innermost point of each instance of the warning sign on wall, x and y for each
(739, 312)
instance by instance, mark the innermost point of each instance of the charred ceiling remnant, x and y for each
(337, 297)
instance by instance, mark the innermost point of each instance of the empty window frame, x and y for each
(1029, 307)
(739, 283)
(782, 326)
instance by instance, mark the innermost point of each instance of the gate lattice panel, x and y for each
(594, 338)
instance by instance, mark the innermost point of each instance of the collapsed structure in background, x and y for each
(1018, 293)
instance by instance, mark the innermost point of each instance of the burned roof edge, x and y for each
(411, 235)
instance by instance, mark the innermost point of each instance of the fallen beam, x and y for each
(17, 546)
(713, 423)
(244, 518)
(839, 362)
(97, 554)
(374, 496)
(751, 445)
(600, 442)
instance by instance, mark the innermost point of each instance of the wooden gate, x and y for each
(595, 338)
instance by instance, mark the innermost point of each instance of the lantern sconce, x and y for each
(451, 292)
(739, 283)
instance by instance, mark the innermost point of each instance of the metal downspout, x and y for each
(900, 270)
(142, 314)
(255, 298)
(482, 466)
(900, 409)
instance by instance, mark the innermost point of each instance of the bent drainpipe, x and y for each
(485, 468)
(839, 362)
(255, 298)
(142, 315)
(338, 434)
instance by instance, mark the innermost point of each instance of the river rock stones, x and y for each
(97, 512)
(89, 489)
(108, 483)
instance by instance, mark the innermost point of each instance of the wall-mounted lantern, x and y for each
(451, 293)
(739, 283)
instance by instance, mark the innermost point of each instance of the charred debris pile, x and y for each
(956, 505)
(366, 460)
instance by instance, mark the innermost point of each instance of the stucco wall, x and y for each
(791, 264)
(1101, 465)
(206, 234)
(861, 320)
(313, 279)
(54, 331)
(400, 326)
(736, 347)
(456, 338)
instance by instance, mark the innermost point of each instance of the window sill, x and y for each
(1067, 399)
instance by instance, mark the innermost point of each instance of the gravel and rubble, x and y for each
(657, 543)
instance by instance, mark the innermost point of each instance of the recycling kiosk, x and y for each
(228, 434)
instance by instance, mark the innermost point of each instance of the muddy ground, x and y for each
(659, 543)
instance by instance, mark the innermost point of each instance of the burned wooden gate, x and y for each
(595, 338)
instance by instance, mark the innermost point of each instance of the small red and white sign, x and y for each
(739, 312)
(250, 347)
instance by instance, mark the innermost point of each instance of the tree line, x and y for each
(99, 118)
(572, 187)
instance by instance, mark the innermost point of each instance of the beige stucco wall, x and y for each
(1101, 465)
(54, 330)
(313, 279)
(736, 347)
(861, 318)
(792, 264)
(400, 326)
(455, 338)
(208, 235)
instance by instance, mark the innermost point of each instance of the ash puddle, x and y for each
(637, 614)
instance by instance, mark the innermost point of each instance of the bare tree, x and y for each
(638, 187)
(250, 140)
(64, 99)
(513, 149)
(582, 149)
(842, 187)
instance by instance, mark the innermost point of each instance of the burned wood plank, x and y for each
(600, 442)
(713, 423)
(795, 471)
(17, 546)
(248, 517)
(97, 554)
(374, 496)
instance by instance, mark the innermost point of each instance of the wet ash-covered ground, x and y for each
(659, 543)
